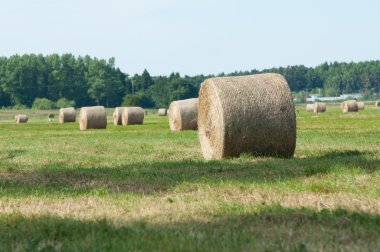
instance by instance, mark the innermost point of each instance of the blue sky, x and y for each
(194, 36)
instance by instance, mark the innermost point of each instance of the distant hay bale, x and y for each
(183, 115)
(360, 105)
(162, 112)
(319, 107)
(117, 115)
(350, 106)
(92, 118)
(50, 117)
(309, 107)
(342, 105)
(377, 104)
(67, 115)
(133, 115)
(246, 114)
(146, 112)
(21, 118)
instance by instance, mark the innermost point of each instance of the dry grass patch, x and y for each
(145, 188)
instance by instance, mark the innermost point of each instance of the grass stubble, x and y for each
(147, 188)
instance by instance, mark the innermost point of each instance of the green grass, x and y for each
(146, 188)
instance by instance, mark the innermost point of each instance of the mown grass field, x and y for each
(145, 188)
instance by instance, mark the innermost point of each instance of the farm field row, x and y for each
(144, 188)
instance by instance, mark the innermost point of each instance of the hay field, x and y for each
(144, 187)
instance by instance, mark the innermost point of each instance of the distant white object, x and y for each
(313, 98)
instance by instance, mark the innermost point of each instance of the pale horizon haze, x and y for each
(194, 37)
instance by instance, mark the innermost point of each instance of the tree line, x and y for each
(31, 80)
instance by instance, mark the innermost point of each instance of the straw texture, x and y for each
(360, 105)
(21, 118)
(246, 114)
(67, 115)
(319, 107)
(133, 115)
(162, 112)
(377, 104)
(117, 116)
(350, 106)
(310, 107)
(92, 118)
(183, 115)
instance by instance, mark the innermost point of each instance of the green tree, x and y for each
(105, 84)
(64, 103)
(131, 101)
(143, 82)
(43, 103)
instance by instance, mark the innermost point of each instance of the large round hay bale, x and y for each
(309, 107)
(92, 118)
(183, 115)
(67, 115)
(133, 115)
(360, 105)
(162, 112)
(117, 116)
(252, 113)
(21, 118)
(377, 104)
(350, 106)
(319, 107)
